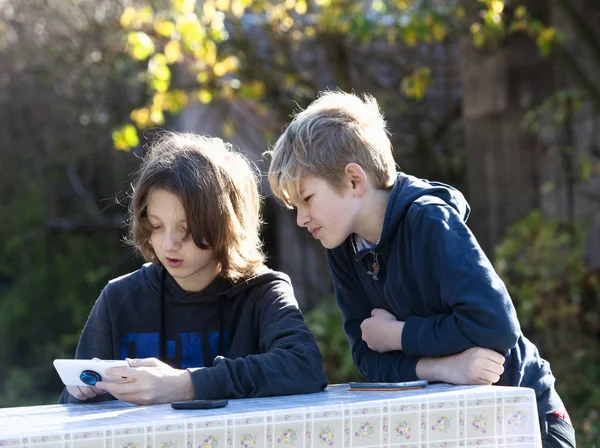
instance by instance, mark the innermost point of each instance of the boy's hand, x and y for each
(476, 365)
(85, 392)
(382, 331)
(149, 381)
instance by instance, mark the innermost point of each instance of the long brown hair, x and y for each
(218, 191)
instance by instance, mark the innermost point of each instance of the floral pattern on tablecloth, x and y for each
(462, 419)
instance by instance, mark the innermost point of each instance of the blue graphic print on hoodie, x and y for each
(246, 339)
(432, 274)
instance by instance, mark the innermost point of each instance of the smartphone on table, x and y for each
(199, 404)
(379, 387)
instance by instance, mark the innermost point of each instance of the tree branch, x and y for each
(581, 26)
(571, 64)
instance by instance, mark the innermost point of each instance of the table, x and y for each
(440, 415)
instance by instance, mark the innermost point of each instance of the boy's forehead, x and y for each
(297, 188)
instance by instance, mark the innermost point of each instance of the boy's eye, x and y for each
(307, 198)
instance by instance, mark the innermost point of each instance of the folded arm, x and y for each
(482, 313)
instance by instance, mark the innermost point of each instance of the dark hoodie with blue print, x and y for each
(428, 270)
(237, 340)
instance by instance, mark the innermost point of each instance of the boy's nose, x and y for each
(302, 218)
(170, 242)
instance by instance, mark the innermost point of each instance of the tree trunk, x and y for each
(499, 86)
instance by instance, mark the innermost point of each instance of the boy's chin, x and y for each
(331, 244)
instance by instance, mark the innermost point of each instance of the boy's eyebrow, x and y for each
(150, 215)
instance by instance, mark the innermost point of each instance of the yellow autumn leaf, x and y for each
(227, 65)
(173, 52)
(301, 7)
(160, 85)
(120, 144)
(237, 8)
(202, 77)
(209, 11)
(210, 55)
(222, 5)
(520, 12)
(410, 38)
(175, 100)
(497, 6)
(159, 71)
(190, 29)
(125, 138)
(407, 86)
(253, 89)
(391, 36)
(184, 6)
(139, 45)
(128, 17)
(204, 96)
(228, 129)
(547, 35)
(145, 15)
(287, 23)
(439, 31)
(157, 116)
(478, 36)
(159, 100)
(130, 135)
(415, 85)
(163, 27)
(141, 117)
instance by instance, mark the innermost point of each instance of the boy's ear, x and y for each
(356, 178)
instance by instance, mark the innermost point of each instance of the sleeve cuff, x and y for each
(207, 382)
(410, 336)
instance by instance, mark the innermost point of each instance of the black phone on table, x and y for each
(368, 386)
(199, 404)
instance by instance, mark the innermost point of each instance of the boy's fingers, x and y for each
(495, 356)
(118, 388)
(144, 362)
(122, 372)
(98, 390)
(87, 392)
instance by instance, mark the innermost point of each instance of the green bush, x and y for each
(327, 325)
(557, 300)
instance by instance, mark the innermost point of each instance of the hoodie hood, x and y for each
(409, 189)
(219, 288)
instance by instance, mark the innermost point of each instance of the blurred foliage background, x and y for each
(499, 98)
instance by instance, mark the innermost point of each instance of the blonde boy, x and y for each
(420, 299)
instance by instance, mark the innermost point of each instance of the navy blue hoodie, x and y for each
(428, 270)
(237, 340)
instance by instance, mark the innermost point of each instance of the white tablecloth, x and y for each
(437, 416)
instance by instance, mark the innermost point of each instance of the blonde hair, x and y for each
(218, 191)
(336, 129)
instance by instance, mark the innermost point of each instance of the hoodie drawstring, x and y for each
(162, 343)
(221, 324)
